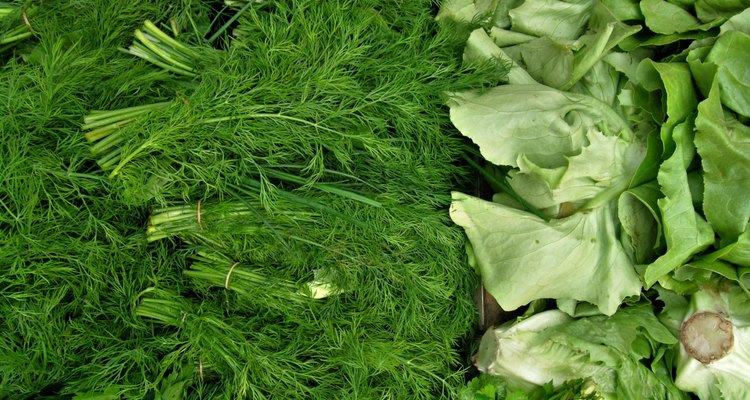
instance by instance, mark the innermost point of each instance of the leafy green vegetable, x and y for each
(622, 126)
(551, 346)
(523, 258)
(341, 186)
(714, 336)
(722, 143)
(685, 231)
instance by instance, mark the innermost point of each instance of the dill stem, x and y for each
(160, 52)
(105, 131)
(129, 157)
(173, 214)
(109, 160)
(99, 115)
(159, 34)
(165, 311)
(139, 52)
(272, 115)
(324, 187)
(15, 37)
(107, 143)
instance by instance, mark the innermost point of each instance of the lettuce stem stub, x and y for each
(707, 336)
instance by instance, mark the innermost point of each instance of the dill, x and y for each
(246, 201)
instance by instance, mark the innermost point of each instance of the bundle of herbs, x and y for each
(247, 201)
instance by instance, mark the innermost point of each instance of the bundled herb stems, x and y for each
(22, 30)
(239, 202)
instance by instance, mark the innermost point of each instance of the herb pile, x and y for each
(617, 152)
(236, 200)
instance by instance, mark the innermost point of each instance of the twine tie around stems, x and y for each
(229, 274)
(198, 213)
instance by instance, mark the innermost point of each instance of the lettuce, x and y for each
(618, 150)
(523, 258)
(607, 351)
(714, 355)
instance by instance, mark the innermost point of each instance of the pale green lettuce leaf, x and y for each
(458, 10)
(724, 146)
(602, 82)
(703, 72)
(624, 10)
(501, 18)
(553, 18)
(505, 37)
(481, 48)
(524, 258)
(560, 62)
(737, 253)
(730, 53)
(667, 18)
(542, 124)
(638, 212)
(566, 146)
(712, 10)
(686, 232)
(675, 82)
(550, 346)
(738, 22)
(605, 164)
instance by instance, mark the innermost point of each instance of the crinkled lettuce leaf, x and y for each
(524, 258)
(724, 146)
(568, 147)
(551, 346)
(606, 163)
(640, 222)
(686, 232)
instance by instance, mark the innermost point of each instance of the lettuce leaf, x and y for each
(524, 258)
(724, 146)
(686, 232)
(550, 346)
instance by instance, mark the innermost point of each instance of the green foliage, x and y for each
(314, 138)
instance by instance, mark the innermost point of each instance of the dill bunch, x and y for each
(314, 137)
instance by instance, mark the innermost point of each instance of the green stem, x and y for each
(153, 30)
(323, 187)
(159, 52)
(15, 38)
(107, 143)
(109, 161)
(140, 52)
(230, 22)
(99, 115)
(105, 131)
(274, 115)
(128, 158)
(504, 186)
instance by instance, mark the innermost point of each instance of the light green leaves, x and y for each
(730, 54)
(624, 127)
(523, 258)
(536, 121)
(607, 351)
(724, 146)
(667, 18)
(686, 232)
(605, 164)
(553, 18)
(568, 147)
